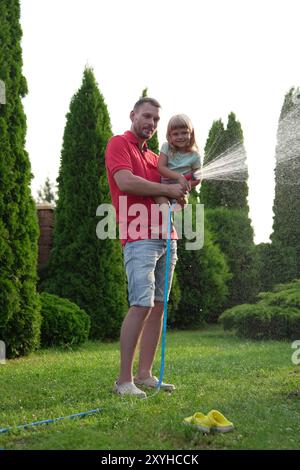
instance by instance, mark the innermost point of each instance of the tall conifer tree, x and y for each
(230, 194)
(286, 225)
(19, 301)
(227, 215)
(83, 268)
(203, 276)
(215, 145)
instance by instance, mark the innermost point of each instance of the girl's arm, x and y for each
(162, 166)
(163, 169)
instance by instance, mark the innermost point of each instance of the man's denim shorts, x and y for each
(145, 264)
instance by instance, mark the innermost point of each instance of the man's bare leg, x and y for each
(130, 332)
(149, 340)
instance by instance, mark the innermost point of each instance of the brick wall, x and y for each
(46, 222)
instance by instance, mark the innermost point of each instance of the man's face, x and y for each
(144, 121)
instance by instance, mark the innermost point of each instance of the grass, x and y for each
(250, 382)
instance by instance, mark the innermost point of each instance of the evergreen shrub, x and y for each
(63, 322)
(275, 316)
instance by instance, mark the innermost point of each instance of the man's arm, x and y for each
(132, 184)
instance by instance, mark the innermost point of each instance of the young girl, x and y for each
(179, 157)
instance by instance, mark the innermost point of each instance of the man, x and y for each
(132, 174)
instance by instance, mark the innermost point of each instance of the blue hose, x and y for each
(166, 289)
(49, 421)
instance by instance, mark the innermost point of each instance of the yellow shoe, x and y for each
(218, 421)
(198, 421)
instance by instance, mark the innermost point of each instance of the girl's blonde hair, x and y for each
(181, 121)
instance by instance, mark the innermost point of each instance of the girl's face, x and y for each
(180, 138)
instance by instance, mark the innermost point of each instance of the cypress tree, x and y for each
(235, 192)
(231, 194)
(19, 302)
(227, 214)
(152, 143)
(202, 276)
(215, 145)
(276, 263)
(233, 233)
(82, 268)
(286, 222)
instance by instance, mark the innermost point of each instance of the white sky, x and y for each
(204, 58)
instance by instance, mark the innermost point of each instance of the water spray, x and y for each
(228, 166)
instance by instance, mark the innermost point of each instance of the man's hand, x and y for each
(175, 191)
(184, 183)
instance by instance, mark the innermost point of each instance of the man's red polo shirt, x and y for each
(123, 153)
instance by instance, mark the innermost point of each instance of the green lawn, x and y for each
(250, 382)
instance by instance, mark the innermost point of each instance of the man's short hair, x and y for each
(146, 99)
